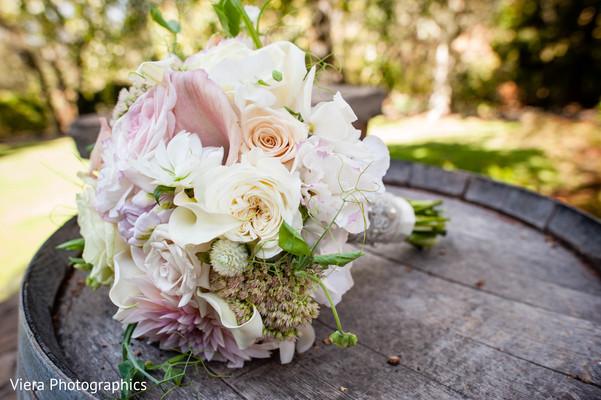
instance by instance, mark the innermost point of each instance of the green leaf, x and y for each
(345, 339)
(174, 374)
(80, 263)
(292, 242)
(178, 358)
(160, 190)
(171, 25)
(276, 75)
(340, 259)
(75, 244)
(204, 257)
(263, 83)
(229, 16)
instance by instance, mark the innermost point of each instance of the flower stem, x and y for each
(304, 274)
(250, 28)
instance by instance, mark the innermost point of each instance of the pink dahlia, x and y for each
(184, 328)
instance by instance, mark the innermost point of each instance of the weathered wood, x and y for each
(439, 180)
(8, 346)
(578, 230)
(498, 310)
(520, 203)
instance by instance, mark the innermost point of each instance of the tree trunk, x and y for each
(440, 100)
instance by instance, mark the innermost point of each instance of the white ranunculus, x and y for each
(102, 240)
(246, 202)
(275, 132)
(177, 163)
(174, 270)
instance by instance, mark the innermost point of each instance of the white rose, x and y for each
(102, 239)
(275, 132)
(174, 270)
(245, 202)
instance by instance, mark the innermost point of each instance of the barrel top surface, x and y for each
(501, 308)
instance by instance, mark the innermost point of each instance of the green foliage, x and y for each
(21, 113)
(339, 259)
(552, 50)
(228, 15)
(292, 242)
(74, 245)
(161, 189)
(171, 25)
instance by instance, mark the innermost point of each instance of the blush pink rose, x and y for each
(148, 121)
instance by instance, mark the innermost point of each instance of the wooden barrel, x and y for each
(508, 306)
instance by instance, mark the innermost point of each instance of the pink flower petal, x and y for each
(203, 108)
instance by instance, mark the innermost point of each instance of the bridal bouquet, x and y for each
(219, 201)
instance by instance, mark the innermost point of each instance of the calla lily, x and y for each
(202, 107)
(124, 287)
(245, 334)
(183, 226)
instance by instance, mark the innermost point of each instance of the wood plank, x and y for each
(9, 311)
(581, 231)
(507, 243)
(323, 371)
(452, 183)
(520, 203)
(475, 343)
(90, 339)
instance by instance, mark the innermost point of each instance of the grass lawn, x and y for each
(40, 183)
(555, 156)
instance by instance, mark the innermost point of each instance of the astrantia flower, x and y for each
(228, 258)
(161, 319)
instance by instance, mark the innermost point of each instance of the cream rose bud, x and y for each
(174, 270)
(102, 240)
(275, 132)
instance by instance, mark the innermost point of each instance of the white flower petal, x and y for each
(245, 334)
(190, 223)
(123, 288)
(286, 351)
(306, 338)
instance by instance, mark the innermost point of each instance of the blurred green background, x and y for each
(506, 88)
